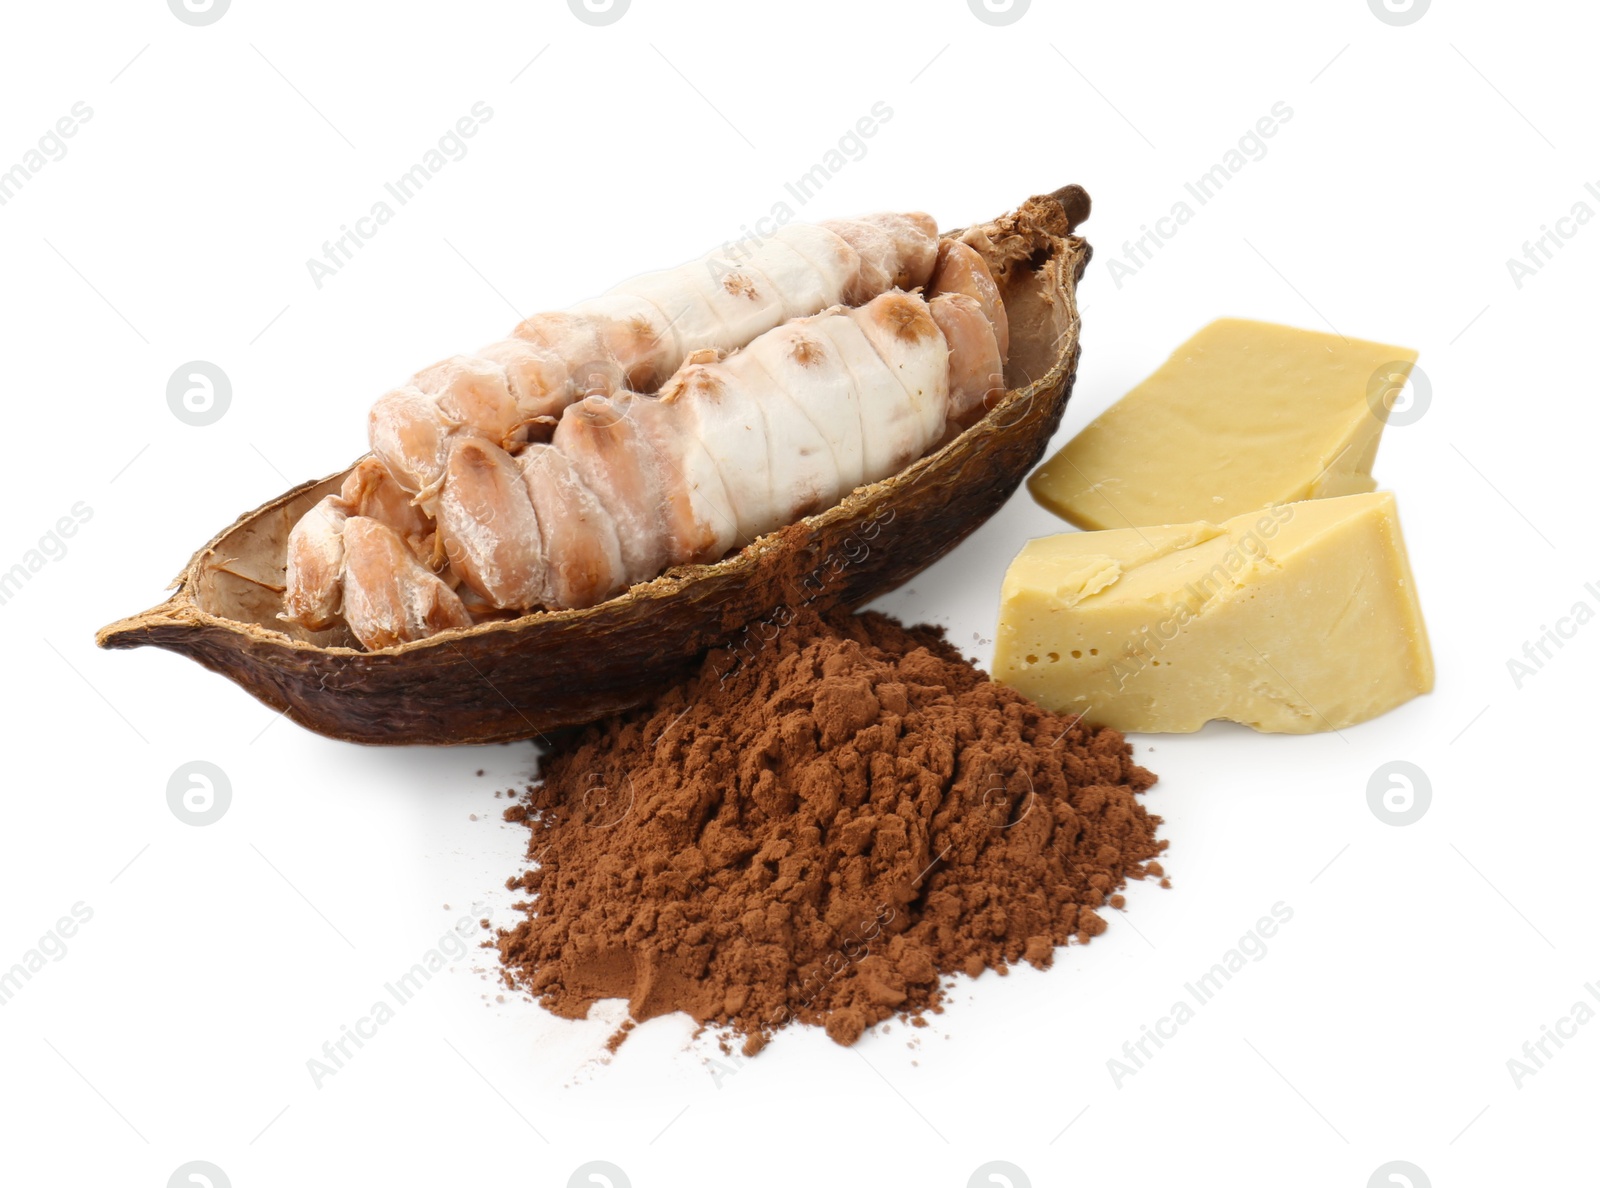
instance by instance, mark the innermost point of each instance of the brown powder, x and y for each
(818, 827)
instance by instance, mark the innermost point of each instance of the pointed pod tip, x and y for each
(135, 630)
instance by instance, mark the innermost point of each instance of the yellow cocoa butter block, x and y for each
(1243, 415)
(1294, 619)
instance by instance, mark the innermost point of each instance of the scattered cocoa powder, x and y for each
(820, 827)
(619, 1035)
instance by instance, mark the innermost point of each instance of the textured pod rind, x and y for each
(518, 678)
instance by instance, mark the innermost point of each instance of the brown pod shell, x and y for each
(516, 678)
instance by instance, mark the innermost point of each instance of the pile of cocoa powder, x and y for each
(821, 827)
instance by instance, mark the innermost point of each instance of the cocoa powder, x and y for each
(821, 826)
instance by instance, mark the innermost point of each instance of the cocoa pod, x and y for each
(516, 678)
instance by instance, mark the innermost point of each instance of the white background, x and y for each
(218, 159)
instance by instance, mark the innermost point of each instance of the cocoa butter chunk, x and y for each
(1296, 619)
(1243, 415)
